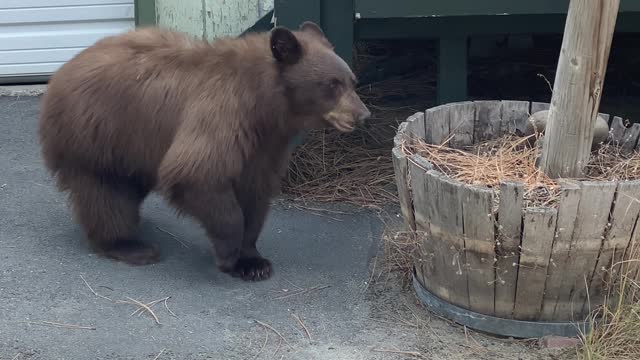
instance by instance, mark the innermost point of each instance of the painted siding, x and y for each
(209, 19)
(38, 36)
(181, 15)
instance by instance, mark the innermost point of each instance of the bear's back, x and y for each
(125, 97)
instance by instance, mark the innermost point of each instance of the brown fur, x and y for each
(207, 125)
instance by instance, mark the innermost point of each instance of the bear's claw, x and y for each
(252, 269)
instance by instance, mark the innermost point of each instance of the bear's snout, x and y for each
(362, 114)
(360, 111)
(348, 112)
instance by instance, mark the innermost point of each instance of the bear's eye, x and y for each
(334, 83)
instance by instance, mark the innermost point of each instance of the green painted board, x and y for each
(335, 17)
(145, 12)
(433, 27)
(423, 8)
(263, 24)
(337, 21)
(291, 13)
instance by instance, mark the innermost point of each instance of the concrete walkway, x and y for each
(322, 266)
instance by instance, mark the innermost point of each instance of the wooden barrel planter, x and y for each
(509, 269)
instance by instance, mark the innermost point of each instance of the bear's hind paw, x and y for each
(132, 252)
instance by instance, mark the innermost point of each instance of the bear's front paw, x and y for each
(252, 269)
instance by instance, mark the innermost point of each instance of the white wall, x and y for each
(38, 36)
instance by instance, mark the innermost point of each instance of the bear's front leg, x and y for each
(255, 212)
(222, 217)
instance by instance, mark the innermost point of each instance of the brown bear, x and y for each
(206, 124)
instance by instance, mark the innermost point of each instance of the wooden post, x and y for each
(452, 68)
(578, 86)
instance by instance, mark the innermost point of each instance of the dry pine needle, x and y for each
(510, 158)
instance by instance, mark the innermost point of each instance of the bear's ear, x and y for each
(312, 28)
(285, 47)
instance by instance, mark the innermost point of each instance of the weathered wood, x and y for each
(558, 262)
(577, 88)
(479, 244)
(536, 124)
(616, 131)
(591, 222)
(400, 168)
(630, 138)
(507, 245)
(514, 116)
(418, 168)
(446, 231)
(487, 121)
(436, 122)
(631, 264)
(461, 119)
(537, 239)
(425, 164)
(600, 132)
(604, 117)
(538, 106)
(401, 134)
(425, 264)
(415, 126)
(623, 219)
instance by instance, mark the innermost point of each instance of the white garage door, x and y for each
(38, 36)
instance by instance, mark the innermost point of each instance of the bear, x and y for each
(207, 125)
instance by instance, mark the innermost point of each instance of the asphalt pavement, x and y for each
(60, 301)
(321, 261)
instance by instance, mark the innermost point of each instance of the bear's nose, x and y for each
(364, 115)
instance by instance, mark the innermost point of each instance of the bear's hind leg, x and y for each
(221, 216)
(108, 211)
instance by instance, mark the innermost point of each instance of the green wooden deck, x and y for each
(452, 22)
